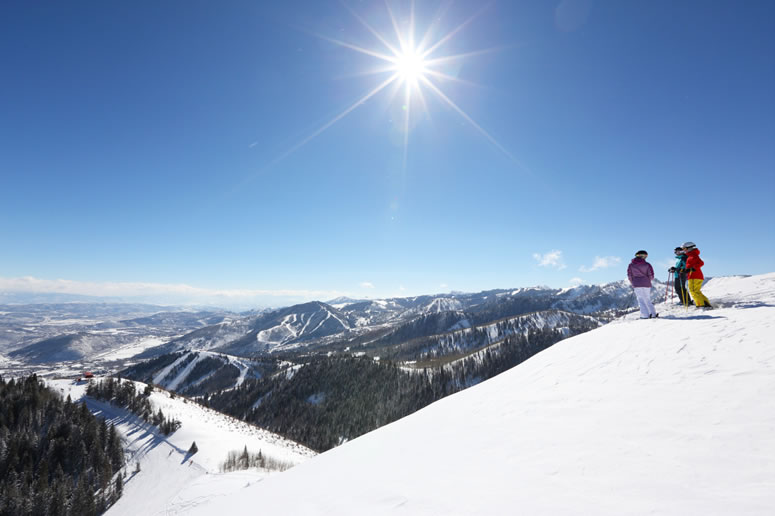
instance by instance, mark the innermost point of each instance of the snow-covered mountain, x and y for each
(316, 323)
(374, 312)
(665, 416)
(282, 329)
(196, 372)
(207, 338)
(443, 304)
(437, 334)
(466, 338)
(271, 331)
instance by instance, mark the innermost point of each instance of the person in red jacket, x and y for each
(694, 268)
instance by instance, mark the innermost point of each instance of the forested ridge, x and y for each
(125, 394)
(56, 458)
(326, 400)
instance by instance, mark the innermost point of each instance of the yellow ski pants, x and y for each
(699, 297)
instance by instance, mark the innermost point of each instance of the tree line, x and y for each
(56, 458)
(124, 393)
(236, 461)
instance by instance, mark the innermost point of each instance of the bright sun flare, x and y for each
(418, 67)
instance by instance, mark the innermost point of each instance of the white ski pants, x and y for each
(644, 301)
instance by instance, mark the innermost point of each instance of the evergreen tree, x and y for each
(118, 486)
(244, 458)
(40, 434)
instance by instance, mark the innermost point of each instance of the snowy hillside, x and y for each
(206, 338)
(270, 331)
(298, 323)
(668, 416)
(449, 333)
(169, 479)
(443, 304)
(197, 372)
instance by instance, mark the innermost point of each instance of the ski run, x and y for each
(674, 415)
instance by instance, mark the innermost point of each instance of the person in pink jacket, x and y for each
(640, 273)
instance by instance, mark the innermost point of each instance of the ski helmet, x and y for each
(641, 254)
(689, 245)
(678, 250)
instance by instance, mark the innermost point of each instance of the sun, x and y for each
(416, 66)
(410, 66)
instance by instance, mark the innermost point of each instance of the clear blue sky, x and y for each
(171, 143)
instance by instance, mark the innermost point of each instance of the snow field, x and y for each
(131, 350)
(217, 434)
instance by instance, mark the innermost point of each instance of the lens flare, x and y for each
(413, 67)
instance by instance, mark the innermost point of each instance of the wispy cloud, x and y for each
(602, 262)
(576, 282)
(443, 285)
(551, 259)
(367, 284)
(252, 145)
(165, 293)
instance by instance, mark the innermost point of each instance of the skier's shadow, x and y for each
(754, 305)
(694, 317)
(187, 456)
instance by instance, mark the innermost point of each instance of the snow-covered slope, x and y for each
(298, 323)
(206, 338)
(668, 416)
(443, 304)
(271, 331)
(169, 480)
(451, 334)
(182, 373)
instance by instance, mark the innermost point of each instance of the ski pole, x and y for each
(667, 285)
(686, 293)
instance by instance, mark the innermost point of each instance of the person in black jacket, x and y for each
(680, 277)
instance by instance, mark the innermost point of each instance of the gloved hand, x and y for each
(671, 269)
(690, 269)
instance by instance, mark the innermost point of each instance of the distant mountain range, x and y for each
(53, 332)
(347, 323)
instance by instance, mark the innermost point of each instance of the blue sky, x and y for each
(176, 147)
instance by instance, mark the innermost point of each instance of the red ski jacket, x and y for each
(693, 261)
